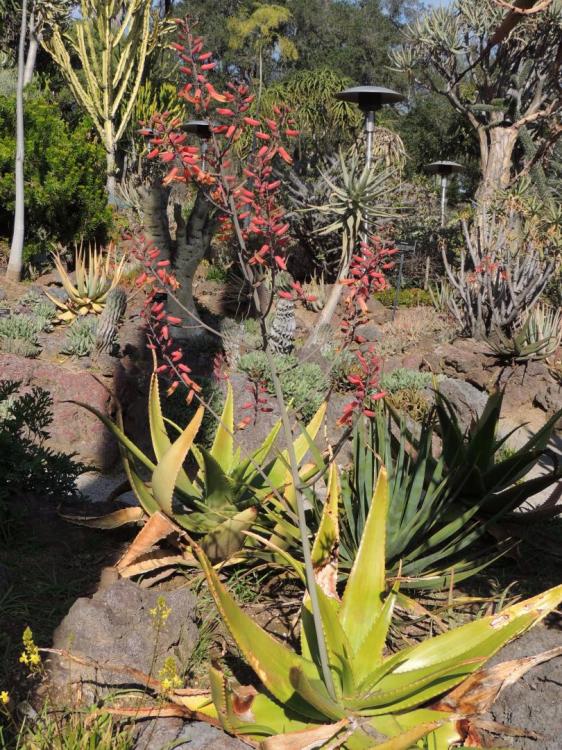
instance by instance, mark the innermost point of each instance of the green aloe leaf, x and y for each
(271, 660)
(165, 475)
(222, 449)
(228, 538)
(218, 491)
(161, 443)
(362, 600)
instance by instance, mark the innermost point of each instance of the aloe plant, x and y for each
(538, 336)
(226, 496)
(376, 698)
(96, 276)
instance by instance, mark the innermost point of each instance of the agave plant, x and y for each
(226, 496)
(442, 509)
(538, 336)
(97, 273)
(428, 695)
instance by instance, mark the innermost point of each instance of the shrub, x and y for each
(65, 178)
(26, 464)
(406, 297)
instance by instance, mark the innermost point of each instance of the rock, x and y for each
(467, 400)
(3, 294)
(465, 357)
(115, 626)
(378, 312)
(165, 733)
(534, 701)
(74, 429)
(550, 399)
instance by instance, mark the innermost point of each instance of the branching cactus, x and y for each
(501, 274)
(114, 309)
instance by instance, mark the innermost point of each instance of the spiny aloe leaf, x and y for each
(110, 520)
(228, 538)
(276, 472)
(271, 660)
(218, 491)
(325, 547)
(370, 653)
(362, 600)
(160, 441)
(165, 475)
(222, 449)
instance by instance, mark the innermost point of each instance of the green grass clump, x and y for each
(216, 273)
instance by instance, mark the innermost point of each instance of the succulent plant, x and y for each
(108, 324)
(354, 694)
(537, 336)
(97, 273)
(225, 497)
(80, 337)
(18, 334)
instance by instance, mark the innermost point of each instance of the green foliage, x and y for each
(303, 383)
(403, 378)
(64, 175)
(441, 509)
(412, 297)
(538, 336)
(80, 337)
(27, 465)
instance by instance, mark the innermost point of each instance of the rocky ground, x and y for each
(109, 620)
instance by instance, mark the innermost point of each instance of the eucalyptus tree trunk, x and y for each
(32, 49)
(15, 262)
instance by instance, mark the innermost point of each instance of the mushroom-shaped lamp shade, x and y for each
(200, 128)
(370, 98)
(444, 168)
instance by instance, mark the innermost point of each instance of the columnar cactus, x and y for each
(108, 324)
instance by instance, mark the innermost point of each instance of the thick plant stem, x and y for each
(15, 263)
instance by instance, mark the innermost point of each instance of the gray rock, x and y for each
(533, 702)
(164, 733)
(115, 627)
(467, 400)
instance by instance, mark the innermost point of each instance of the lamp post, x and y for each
(370, 99)
(444, 169)
(202, 129)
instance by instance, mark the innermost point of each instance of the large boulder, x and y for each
(115, 626)
(467, 400)
(533, 702)
(74, 429)
(162, 734)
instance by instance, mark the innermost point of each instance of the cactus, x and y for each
(112, 41)
(114, 309)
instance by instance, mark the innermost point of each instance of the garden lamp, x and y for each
(202, 129)
(444, 169)
(370, 99)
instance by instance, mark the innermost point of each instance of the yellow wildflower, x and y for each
(160, 612)
(169, 676)
(4, 697)
(30, 655)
